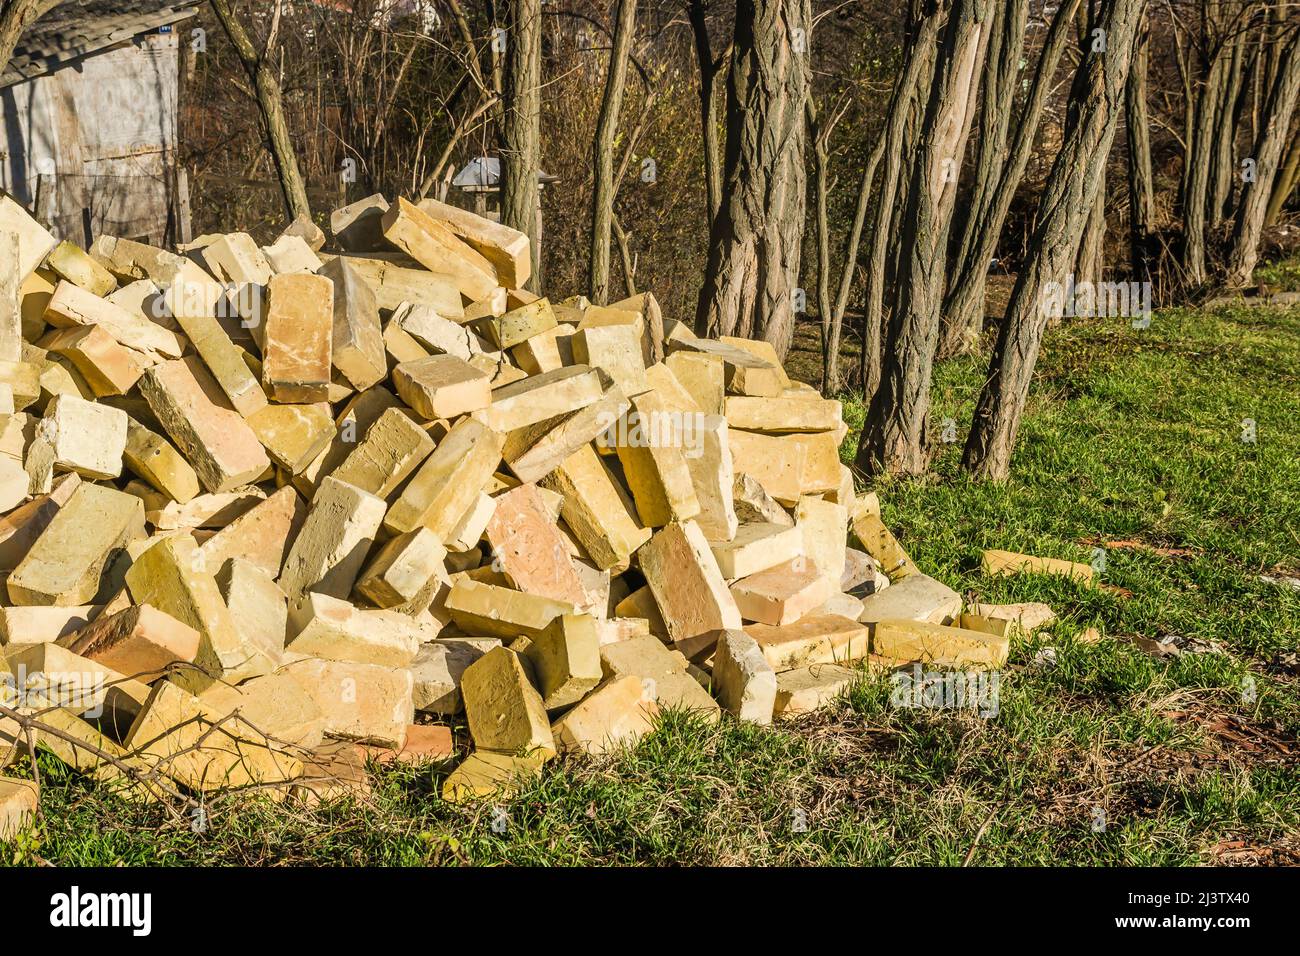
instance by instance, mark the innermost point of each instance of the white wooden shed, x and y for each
(89, 105)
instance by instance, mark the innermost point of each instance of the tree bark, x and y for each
(625, 255)
(270, 103)
(1095, 105)
(1141, 182)
(754, 246)
(709, 70)
(1286, 181)
(1268, 155)
(918, 60)
(894, 437)
(1088, 260)
(522, 136)
(821, 189)
(1001, 75)
(1222, 158)
(602, 153)
(964, 304)
(1200, 145)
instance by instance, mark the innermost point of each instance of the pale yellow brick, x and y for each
(504, 711)
(218, 443)
(688, 587)
(938, 645)
(155, 460)
(617, 714)
(173, 576)
(65, 563)
(812, 640)
(651, 448)
(329, 551)
(756, 547)
(449, 480)
(442, 386)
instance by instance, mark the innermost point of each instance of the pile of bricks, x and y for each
(269, 512)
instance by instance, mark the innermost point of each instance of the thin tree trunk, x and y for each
(1196, 160)
(1222, 156)
(441, 170)
(470, 46)
(625, 255)
(894, 438)
(831, 311)
(521, 152)
(821, 175)
(1001, 76)
(1268, 155)
(1095, 105)
(602, 153)
(497, 47)
(270, 102)
(1088, 260)
(1141, 183)
(853, 244)
(918, 60)
(709, 69)
(964, 304)
(754, 247)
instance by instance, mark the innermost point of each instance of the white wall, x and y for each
(103, 126)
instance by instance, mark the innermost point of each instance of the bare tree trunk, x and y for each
(918, 61)
(602, 153)
(709, 70)
(894, 437)
(1141, 182)
(852, 245)
(1095, 104)
(1088, 259)
(1267, 155)
(470, 48)
(1001, 77)
(831, 311)
(821, 187)
(964, 304)
(1222, 157)
(521, 152)
(754, 247)
(270, 102)
(1200, 145)
(1286, 181)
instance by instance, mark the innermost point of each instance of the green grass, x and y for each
(1101, 755)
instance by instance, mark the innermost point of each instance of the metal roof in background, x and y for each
(79, 28)
(483, 174)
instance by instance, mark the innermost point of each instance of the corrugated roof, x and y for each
(80, 27)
